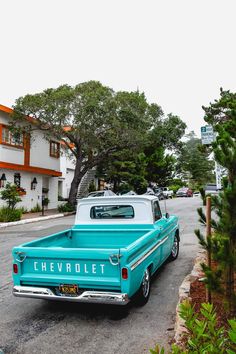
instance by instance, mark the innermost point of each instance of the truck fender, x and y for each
(150, 267)
(177, 234)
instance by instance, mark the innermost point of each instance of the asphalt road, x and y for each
(35, 326)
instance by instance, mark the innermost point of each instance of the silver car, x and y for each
(103, 193)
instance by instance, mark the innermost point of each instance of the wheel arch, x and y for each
(177, 234)
(150, 267)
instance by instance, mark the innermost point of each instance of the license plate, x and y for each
(71, 290)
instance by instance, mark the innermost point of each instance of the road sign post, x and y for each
(207, 137)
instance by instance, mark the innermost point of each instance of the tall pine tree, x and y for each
(222, 116)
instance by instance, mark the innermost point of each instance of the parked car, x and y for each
(159, 193)
(103, 193)
(130, 193)
(211, 188)
(184, 192)
(196, 194)
(168, 193)
(150, 191)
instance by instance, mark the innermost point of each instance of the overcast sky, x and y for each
(179, 52)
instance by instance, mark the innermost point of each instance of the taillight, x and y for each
(124, 273)
(15, 268)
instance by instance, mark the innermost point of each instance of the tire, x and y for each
(175, 249)
(143, 293)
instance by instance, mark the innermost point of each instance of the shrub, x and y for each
(11, 195)
(65, 208)
(203, 195)
(45, 201)
(175, 187)
(61, 199)
(36, 209)
(8, 214)
(204, 336)
(23, 210)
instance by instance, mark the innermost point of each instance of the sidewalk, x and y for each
(34, 217)
(39, 214)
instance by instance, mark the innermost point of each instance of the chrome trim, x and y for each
(146, 255)
(21, 254)
(100, 297)
(117, 257)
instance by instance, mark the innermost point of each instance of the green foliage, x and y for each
(193, 163)
(149, 162)
(23, 209)
(65, 208)
(166, 134)
(126, 172)
(203, 195)
(101, 125)
(9, 214)
(124, 188)
(10, 195)
(36, 209)
(175, 187)
(222, 115)
(175, 183)
(45, 201)
(60, 198)
(100, 122)
(204, 335)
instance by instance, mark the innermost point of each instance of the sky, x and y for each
(179, 53)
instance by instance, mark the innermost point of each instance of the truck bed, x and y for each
(87, 238)
(77, 256)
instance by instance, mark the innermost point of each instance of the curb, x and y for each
(184, 293)
(28, 221)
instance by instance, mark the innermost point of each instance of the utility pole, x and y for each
(208, 236)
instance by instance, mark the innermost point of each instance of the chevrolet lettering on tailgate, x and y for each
(59, 267)
(108, 256)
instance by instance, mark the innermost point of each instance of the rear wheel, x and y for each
(175, 249)
(143, 293)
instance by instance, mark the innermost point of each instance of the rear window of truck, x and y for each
(112, 212)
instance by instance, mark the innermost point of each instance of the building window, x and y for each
(12, 139)
(17, 178)
(54, 149)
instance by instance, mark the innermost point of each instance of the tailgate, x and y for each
(87, 268)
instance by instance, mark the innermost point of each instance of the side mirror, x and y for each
(167, 215)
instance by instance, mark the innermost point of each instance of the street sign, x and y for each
(207, 135)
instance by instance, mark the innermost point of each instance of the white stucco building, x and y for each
(67, 168)
(32, 164)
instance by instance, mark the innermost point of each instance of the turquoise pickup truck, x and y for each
(108, 256)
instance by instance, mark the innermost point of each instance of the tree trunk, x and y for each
(229, 291)
(75, 182)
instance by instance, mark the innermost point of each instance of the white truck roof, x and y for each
(141, 204)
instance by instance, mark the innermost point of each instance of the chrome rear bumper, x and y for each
(99, 297)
